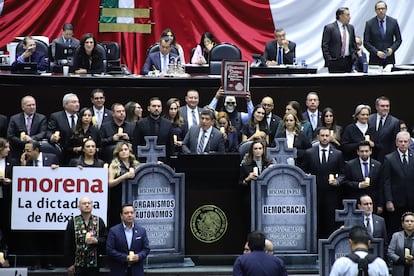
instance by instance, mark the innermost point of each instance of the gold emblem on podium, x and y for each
(208, 223)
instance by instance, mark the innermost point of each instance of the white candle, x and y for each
(407, 252)
(368, 180)
(175, 138)
(331, 177)
(256, 171)
(22, 135)
(367, 138)
(120, 130)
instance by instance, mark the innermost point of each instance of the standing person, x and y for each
(398, 175)
(154, 125)
(127, 245)
(85, 240)
(6, 169)
(258, 262)
(363, 176)
(88, 59)
(401, 248)
(25, 126)
(279, 51)
(191, 111)
(374, 224)
(62, 124)
(133, 112)
(338, 43)
(204, 138)
(359, 241)
(312, 113)
(230, 133)
(322, 161)
(66, 38)
(169, 33)
(202, 51)
(382, 36)
(385, 128)
(99, 111)
(256, 126)
(272, 120)
(329, 120)
(172, 113)
(121, 169)
(357, 131)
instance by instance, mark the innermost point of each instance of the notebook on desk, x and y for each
(26, 68)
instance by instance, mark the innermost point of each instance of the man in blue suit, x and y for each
(159, 60)
(127, 245)
(382, 36)
(31, 55)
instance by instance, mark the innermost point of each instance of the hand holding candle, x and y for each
(22, 135)
(367, 138)
(407, 252)
(368, 180)
(120, 130)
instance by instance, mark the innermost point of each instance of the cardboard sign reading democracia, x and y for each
(235, 77)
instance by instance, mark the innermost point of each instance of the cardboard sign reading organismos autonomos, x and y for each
(45, 198)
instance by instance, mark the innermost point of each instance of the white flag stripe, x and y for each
(1, 6)
(126, 4)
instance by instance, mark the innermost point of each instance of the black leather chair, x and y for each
(102, 50)
(222, 51)
(113, 55)
(40, 46)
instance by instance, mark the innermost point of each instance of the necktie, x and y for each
(343, 41)
(164, 64)
(382, 28)
(381, 122)
(194, 118)
(369, 230)
(280, 55)
(99, 118)
(313, 121)
(28, 124)
(405, 161)
(323, 156)
(72, 122)
(366, 172)
(200, 147)
(36, 163)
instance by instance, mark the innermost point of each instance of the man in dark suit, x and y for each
(127, 245)
(161, 59)
(279, 51)
(326, 163)
(3, 125)
(398, 171)
(33, 156)
(338, 43)
(363, 176)
(272, 120)
(154, 125)
(66, 38)
(62, 124)
(312, 113)
(375, 224)
(99, 111)
(204, 138)
(190, 112)
(385, 127)
(382, 36)
(31, 55)
(25, 126)
(114, 131)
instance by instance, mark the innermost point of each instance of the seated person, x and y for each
(361, 56)
(66, 38)
(279, 51)
(31, 55)
(159, 60)
(202, 51)
(87, 58)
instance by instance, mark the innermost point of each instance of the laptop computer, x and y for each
(26, 68)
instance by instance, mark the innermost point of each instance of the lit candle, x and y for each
(331, 132)
(222, 130)
(22, 134)
(94, 120)
(131, 254)
(368, 180)
(175, 138)
(367, 138)
(407, 252)
(256, 171)
(57, 134)
(120, 130)
(131, 170)
(290, 144)
(331, 177)
(88, 235)
(1, 257)
(1, 173)
(106, 165)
